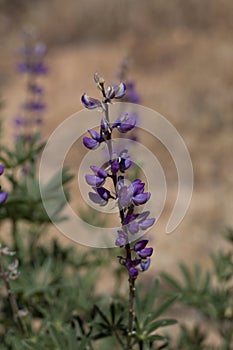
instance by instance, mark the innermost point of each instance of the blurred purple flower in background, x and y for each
(31, 65)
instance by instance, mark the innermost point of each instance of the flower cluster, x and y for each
(33, 67)
(141, 261)
(127, 197)
(3, 194)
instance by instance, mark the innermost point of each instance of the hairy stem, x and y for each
(11, 296)
(131, 312)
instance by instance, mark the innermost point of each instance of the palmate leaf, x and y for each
(148, 310)
(160, 323)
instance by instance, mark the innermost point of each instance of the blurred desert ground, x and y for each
(181, 60)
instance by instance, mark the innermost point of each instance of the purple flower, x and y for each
(94, 141)
(136, 222)
(140, 245)
(119, 90)
(115, 166)
(98, 179)
(3, 197)
(145, 265)
(1, 169)
(133, 193)
(125, 161)
(145, 253)
(125, 122)
(133, 272)
(122, 239)
(90, 102)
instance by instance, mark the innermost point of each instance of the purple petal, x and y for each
(145, 224)
(120, 242)
(90, 102)
(94, 180)
(142, 216)
(122, 238)
(90, 143)
(126, 163)
(1, 169)
(133, 272)
(99, 172)
(127, 125)
(110, 93)
(141, 198)
(120, 120)
(125, 196)
(137, 187)
(95, 135)
(115, 166)
(120, 90)
(145, 265)
(129, 218)
(133, 227)
(145, 253)
(104, 193)
(95, 197)
(140, 245)
(3, 197)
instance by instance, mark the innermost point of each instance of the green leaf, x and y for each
(172, 281)
(102, 315)
(160, 323)
(165, 306)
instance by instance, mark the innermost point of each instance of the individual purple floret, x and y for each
(3, 194)
(134, 193)
(100, 196)
(98, 178)
(94, 141)
(90, 102)
(109, 94)
(125, 122)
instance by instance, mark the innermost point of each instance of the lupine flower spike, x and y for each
(128, 198)
(33, 67)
